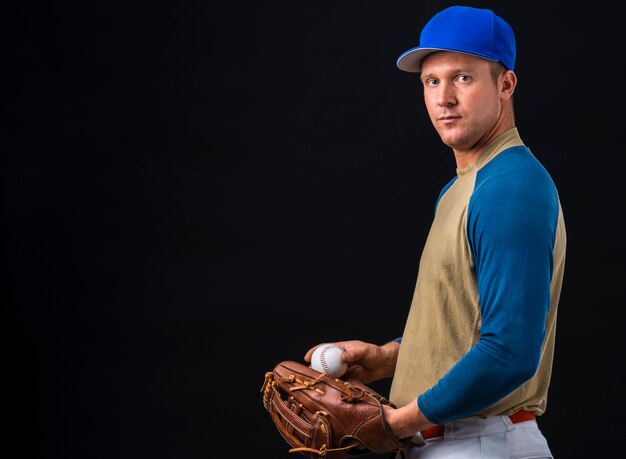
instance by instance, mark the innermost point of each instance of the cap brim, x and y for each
(411, 60)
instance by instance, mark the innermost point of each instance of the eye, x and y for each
(463, 78)
(431, 82)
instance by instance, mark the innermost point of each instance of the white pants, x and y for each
(483, 438)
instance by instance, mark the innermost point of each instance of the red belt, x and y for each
(437, 431)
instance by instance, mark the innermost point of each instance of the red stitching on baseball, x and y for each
(323, 359)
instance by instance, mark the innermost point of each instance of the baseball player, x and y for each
(472, 368)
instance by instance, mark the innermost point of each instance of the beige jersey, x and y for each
(479, 337)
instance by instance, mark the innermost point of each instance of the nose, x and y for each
(445, 94)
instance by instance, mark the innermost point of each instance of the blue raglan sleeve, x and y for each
(511, 227)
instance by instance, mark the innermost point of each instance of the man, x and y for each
(472, 368)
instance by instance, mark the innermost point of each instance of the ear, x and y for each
(508, 82)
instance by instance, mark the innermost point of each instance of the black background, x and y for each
(194, 191)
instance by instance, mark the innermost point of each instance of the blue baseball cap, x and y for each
(463, 29)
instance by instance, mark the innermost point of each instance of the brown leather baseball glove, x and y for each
(321, 416)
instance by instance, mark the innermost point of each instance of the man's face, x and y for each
(461, 97)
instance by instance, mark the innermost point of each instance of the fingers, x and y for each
(309, 353)
(345, 356)
(363, 359)
(354, 371)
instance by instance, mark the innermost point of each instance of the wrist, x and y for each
(407, 420)
(389, 352)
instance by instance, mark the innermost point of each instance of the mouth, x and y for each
(448, 119)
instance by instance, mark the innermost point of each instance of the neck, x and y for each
(466, 156)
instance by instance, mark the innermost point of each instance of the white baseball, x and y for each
(325, 359)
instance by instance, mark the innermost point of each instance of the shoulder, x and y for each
(513, 193)
(514, 174)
